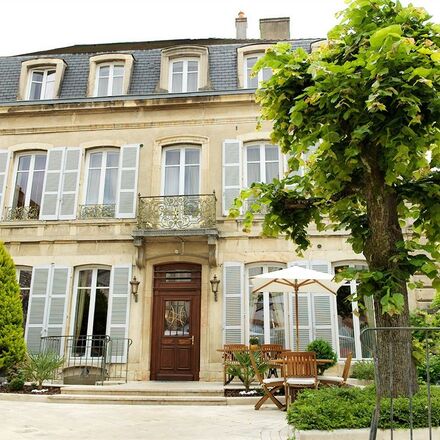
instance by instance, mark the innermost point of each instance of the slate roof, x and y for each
(146, 66)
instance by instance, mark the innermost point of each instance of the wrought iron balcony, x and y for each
(96, 211)
(21, 213)
(177, 212)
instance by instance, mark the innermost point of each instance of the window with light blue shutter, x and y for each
(118, 316)
(233, 289)
(128, 175)
(52, 184)
(69, 184)
(232, 177)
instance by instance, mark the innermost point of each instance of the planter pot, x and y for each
(364, 434)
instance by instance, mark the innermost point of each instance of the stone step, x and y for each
(137, 399)
(139, 392)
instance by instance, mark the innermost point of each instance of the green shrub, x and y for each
(434, 370)
(323, 350)
(16, 384)
(12, 346)
(41, 366)
(351, 408)
(363, 370)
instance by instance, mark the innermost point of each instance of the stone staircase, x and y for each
(149, 393)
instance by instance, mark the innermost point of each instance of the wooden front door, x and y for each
(176, 322)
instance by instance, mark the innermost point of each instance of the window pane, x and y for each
(192, 85)
(85, 278)
(118, 70)
(102, 87)
(100, 317)
(253, 173)
(112, 159)
(20, 189)
(35, 92)
(191, 180)
(95, 160)
(256, 314)
(40, 162)
(271, 152)
(345, 322)
(171, 186)
(37, 189)
(104, 71)
(178, 67)
(267, 73)
(172, 157)
(117, 85)
(276, 319)
(81, 321)
(253, 154)
(250, 62)
(103, 278)
(177, 318)
(177, 79)
(110, 186)
(192, 156)
(272, 171)
(93, 187)
(24, 162)
(193, 66)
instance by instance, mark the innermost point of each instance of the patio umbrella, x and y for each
(294, 279)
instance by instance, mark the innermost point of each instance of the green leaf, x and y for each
(378, 38)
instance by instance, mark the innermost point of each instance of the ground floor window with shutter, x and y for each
(91, 311)
(267, 317)
(352, 320)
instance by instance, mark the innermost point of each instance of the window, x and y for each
(266, 310)
(28, 187)
(41, 79)
(24, 277)
(41, 84)
(262, 163)
(102, 180)
(184, 76)
(109, 74)
(109, 79)
(181, 170)
(352, 321)
(91, 310)
(252, 82)
(183, 69)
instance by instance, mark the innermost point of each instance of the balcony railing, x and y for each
(21, 213)
(96, 211)
(177, 212)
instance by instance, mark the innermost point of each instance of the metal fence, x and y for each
(90, 359)
(424, 334)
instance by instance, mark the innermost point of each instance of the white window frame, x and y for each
(182, 167)
(265, 265)
(260, 74)
(44, 82)
(184, 74)
(262, 146)
(111, 76)
(354, 305)
(92, 304)
(102, 174)
(31, 176)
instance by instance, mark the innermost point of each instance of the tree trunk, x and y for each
(396, 368)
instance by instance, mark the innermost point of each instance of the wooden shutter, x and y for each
(232, 165)
(128, 175)
(36, 320)
(233, 282)
(69, 185)
(57, 301)
(4, 164)
(118, 316)
(52, 184)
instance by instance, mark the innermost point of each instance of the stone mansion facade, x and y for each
(118, 164)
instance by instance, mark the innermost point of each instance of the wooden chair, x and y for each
(300, 371)
(229, 359)
(269, 353)
(339, 381)
(269, 386)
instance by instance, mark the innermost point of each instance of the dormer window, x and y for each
(250, 81)
(110, 74)
(41, 79)
(109, 79)
(41, 84)
(184, 75)
(183, 69)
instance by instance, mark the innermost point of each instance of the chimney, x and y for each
(241, 26)
(275, 28)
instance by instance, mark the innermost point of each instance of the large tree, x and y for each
(12, 345)
(364, 109)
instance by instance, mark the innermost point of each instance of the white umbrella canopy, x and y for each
(295, 279)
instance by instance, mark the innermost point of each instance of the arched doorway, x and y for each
(175, 345)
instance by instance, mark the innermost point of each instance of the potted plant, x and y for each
(254, 342)
(323, 350)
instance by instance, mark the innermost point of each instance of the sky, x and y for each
(33, 25)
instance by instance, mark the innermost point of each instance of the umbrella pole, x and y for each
(296, 317)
